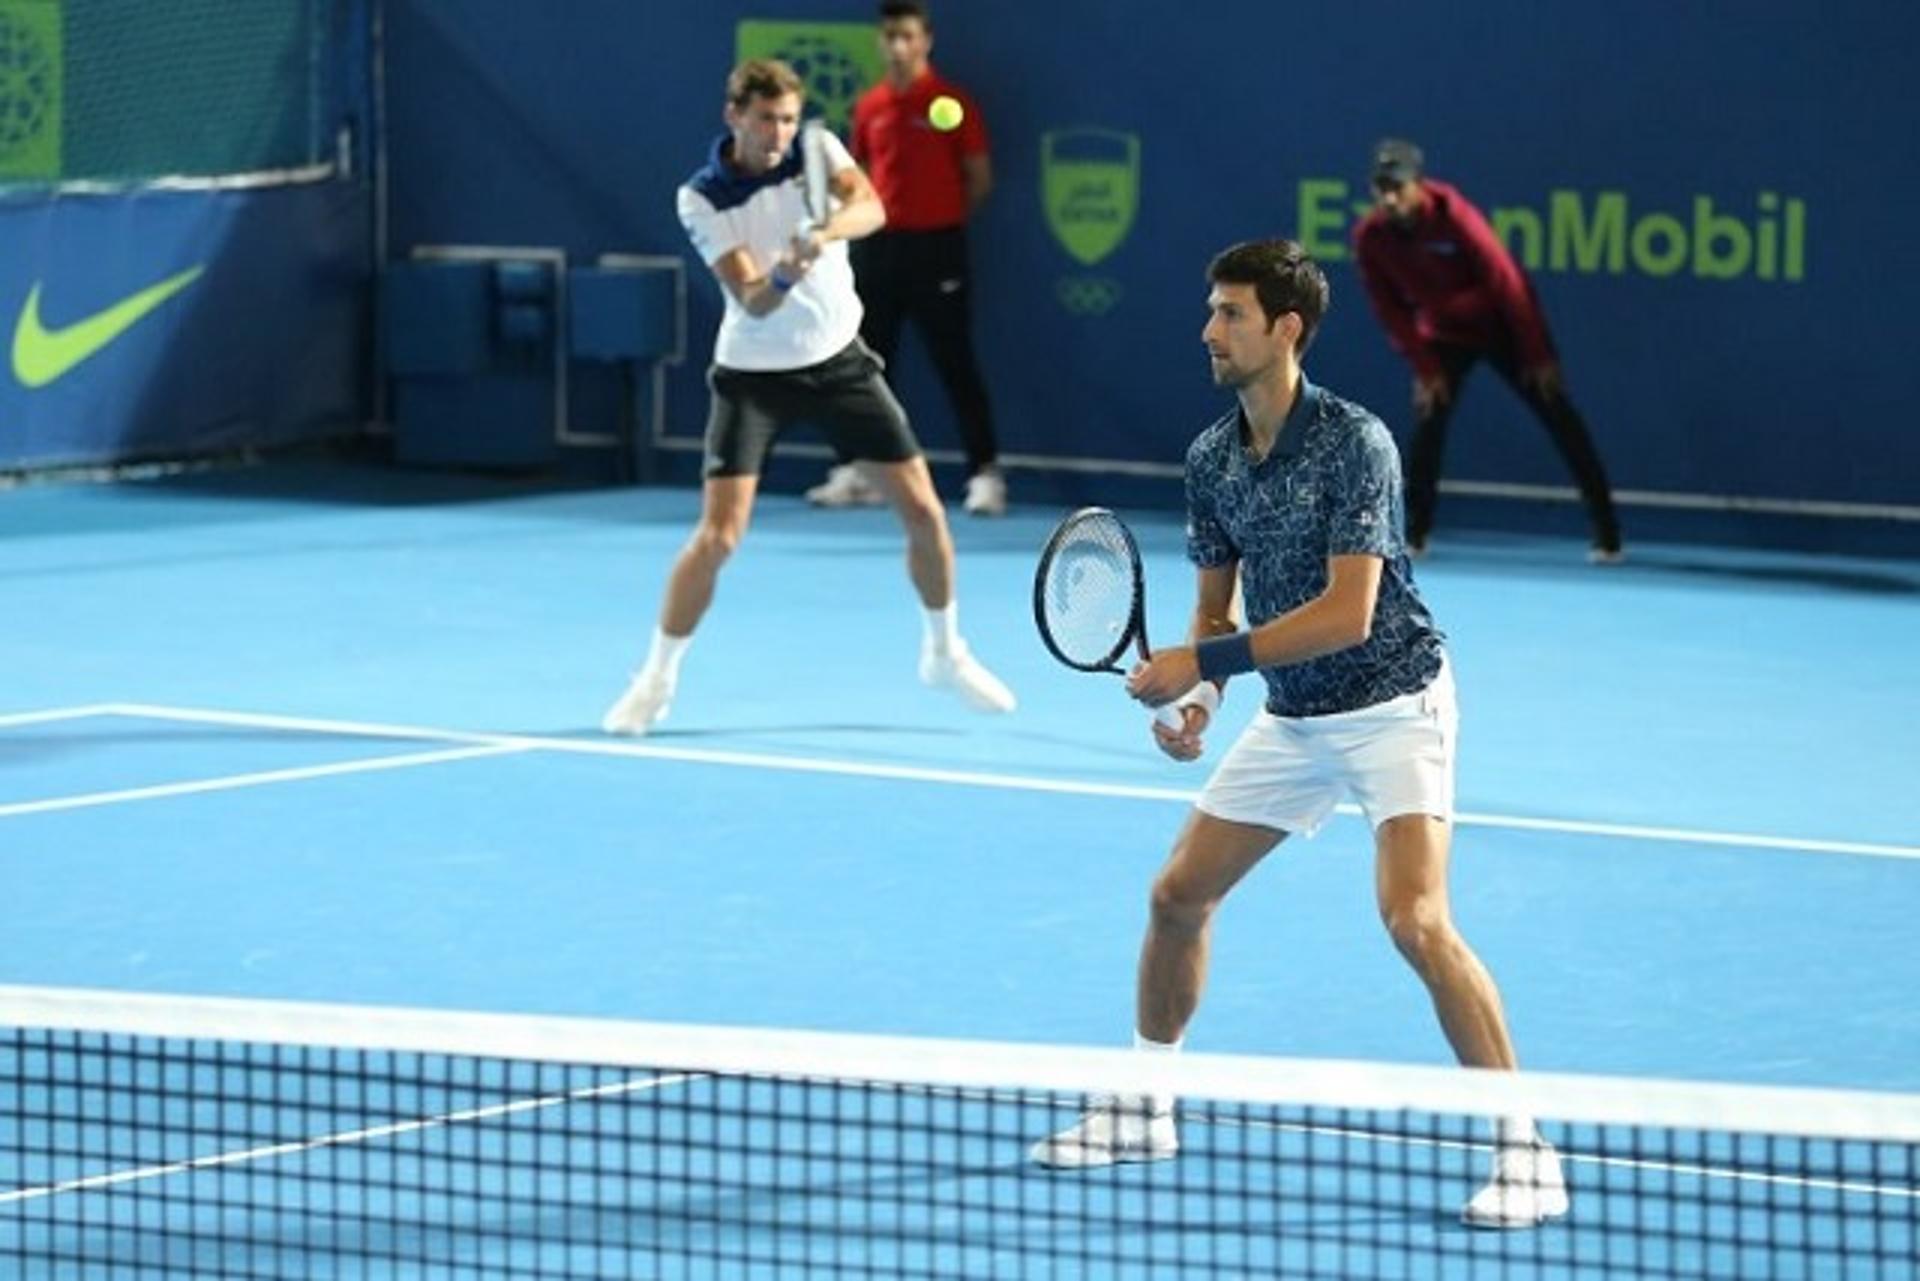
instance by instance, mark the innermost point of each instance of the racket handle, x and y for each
(1170, 716)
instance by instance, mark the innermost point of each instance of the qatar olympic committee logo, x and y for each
(30, 56)
(1090, 190)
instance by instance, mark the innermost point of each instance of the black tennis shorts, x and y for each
(845, 395)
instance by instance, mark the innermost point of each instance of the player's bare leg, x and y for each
(1209, 858)
(1410, 875)
(725, 507)
(946, 662)
(1410, 878)
(726, 504)
(908, 488)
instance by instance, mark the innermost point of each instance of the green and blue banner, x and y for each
(170, 323)
(1711, 200)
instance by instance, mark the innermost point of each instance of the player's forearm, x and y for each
(1210, 621)
(1324, 625)
(855, 220)
(763, 297)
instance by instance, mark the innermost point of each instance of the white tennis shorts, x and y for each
(1394, 758)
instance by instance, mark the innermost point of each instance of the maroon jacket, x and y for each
(1448, 279)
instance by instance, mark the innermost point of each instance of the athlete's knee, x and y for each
(1175, 905)
(1420, 928)
(714, 541)
(920, 512)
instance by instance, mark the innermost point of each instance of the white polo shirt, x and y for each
(724, 209)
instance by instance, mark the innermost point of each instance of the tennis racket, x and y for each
(1090, 597)
(813, 173)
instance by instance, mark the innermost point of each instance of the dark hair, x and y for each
(1284, 278)
(762, 78)
(1397, 162)
(894, 10)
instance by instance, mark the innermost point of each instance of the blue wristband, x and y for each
(779, 282)
(1224, 656)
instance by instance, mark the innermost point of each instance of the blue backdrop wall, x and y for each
(1714, 198)
(256, 335)
(156, 301)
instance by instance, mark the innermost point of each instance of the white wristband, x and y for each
(1205, 694)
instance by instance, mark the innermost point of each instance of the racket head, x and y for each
(1089, 591)
(814, 183)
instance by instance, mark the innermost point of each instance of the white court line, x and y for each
(1570, 1156)
(1636, 832)
(343, 1139)
(232, 781)
(973, 778)
(642, 1085)
(655, 751)
(57, 714)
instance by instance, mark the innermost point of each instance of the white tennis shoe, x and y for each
(644, 705)
(1111, 1131)
(846, 486)
(986, 493)
(1526, 1189)
(958, 670)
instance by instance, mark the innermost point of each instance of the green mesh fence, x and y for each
(123, 91)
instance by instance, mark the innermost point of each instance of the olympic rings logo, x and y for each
(1088, 295)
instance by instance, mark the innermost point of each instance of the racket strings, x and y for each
(1087, 593)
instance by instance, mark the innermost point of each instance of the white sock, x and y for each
(943, 628)
(1157, 1103)
(1515, 1131)
(663, 660)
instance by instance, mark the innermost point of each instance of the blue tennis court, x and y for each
(365, 362)
(327, 734)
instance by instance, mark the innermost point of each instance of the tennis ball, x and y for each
(946, 113)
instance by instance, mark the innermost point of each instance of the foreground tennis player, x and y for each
(789, 351)
(1298, 493)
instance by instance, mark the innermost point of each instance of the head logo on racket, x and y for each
(1090, 596)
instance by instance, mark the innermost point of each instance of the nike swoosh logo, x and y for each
(41, 355)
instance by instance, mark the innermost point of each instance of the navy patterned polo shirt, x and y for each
(1329, 487)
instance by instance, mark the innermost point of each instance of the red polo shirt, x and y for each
(915, 167)
(1448, 279)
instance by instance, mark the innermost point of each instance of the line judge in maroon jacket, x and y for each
(1449, 295)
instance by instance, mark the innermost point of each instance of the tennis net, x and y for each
(152, 1136)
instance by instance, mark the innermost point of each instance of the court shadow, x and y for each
(19, 746)
(907, 1217)
(897, 1224)
(1017, 1222)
